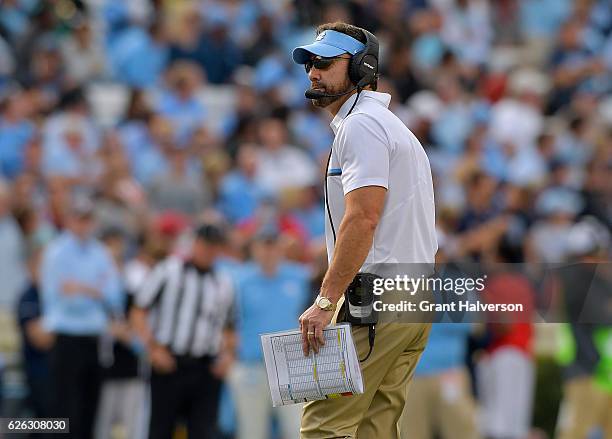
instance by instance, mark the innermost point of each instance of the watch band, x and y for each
(325, 304)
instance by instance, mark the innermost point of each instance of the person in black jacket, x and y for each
(36, 342)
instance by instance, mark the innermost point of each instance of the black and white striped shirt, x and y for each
(189, 308)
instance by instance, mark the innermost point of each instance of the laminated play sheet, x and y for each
(294, 378)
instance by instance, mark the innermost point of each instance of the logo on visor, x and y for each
(368, 65)
(320, 36)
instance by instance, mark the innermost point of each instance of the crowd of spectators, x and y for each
(166, 114)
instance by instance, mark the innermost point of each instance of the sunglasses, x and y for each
(321, 63)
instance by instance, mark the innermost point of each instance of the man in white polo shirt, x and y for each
(380, 209)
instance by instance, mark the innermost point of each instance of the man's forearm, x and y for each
(229, 343)
(353, 244)
(138, 319)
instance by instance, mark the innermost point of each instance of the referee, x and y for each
(184, 313)
(380, 210)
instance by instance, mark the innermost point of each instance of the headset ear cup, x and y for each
(368, 68)
(363, 67)
(355, 69)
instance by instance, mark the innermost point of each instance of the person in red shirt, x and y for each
(506, 373)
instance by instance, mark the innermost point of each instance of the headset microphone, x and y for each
(317, 94)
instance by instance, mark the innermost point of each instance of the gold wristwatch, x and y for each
(325, 304)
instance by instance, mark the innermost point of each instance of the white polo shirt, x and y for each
(373, 147)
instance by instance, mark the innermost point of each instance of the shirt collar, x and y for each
(382, 98)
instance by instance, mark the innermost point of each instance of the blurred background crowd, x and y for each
(167, 114)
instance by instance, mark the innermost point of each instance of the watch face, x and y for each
(324, 302)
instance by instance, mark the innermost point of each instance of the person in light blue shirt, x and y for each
(239, 193)
(80, 290)
(310, 127)
(80, 284)
(446, 350)
(310, 213)
(270, 294)
(183, 108)
(139, 56)
(15, 133)
(542, 18)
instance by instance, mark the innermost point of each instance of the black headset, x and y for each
(363, 67)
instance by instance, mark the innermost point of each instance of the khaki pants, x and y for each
(585, 407)
(375, 413)
(440, 404)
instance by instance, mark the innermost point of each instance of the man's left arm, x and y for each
(227, 353)
(229, 341)
(364, 207)
(364, 157)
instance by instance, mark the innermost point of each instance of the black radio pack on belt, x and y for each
(359, 300)
(359, 306)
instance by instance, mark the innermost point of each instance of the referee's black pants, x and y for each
(192, 393)
(76, 376)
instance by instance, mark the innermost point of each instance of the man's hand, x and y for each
(363, 209)
(38, 335)
(92, 292)
(120, 331)
(161, 359)
(312, 322)
(71, 287)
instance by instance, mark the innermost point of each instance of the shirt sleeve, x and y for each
(28, 308)
(111, 287)
(363, 152)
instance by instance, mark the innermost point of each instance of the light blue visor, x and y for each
(327, 44)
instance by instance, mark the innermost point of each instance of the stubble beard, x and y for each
(327, 101)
